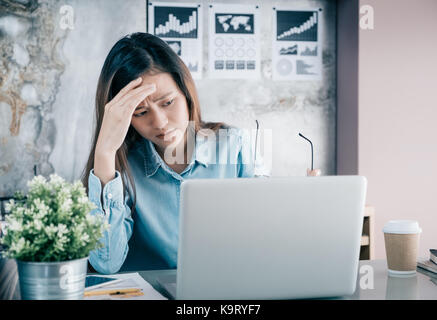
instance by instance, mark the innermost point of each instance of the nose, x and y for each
(159, 120)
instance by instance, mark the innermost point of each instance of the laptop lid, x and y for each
(275, 238)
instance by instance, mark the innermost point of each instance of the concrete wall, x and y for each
(286, 107)
(61, 67)
(397, 115)
(98, 25)
(49, 79)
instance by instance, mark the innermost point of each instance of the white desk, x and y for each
(390, 288)
(384, 287)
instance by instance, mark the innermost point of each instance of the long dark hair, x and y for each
(132, 56)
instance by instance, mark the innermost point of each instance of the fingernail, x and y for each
(138, 79)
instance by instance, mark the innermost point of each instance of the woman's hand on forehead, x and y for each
(118, 114)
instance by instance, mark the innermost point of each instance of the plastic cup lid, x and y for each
(402, 227)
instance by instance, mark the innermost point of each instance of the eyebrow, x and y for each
(159, 99)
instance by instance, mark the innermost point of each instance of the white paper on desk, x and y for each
(131, 280)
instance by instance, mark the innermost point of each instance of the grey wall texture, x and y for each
(48, 79)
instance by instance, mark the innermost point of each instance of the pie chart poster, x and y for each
(297, 46)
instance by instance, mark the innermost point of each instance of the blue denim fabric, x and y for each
(148, 239)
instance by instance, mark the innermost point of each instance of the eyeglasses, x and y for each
(256, 140)
(312, 153)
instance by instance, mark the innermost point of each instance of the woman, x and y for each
(148, 139)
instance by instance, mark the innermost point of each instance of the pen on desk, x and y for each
(129, 295)
(112, 292)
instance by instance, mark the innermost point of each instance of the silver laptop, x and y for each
(269, 238)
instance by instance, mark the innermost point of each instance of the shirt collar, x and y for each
(202, 154)
(152, 160)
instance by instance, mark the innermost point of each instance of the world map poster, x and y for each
(234, 32)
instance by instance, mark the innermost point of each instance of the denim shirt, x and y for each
(148, 239)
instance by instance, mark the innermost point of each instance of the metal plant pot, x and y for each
(52, 280)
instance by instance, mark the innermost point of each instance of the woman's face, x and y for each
(163, 116)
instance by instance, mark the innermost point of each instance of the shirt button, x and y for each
(109, 195)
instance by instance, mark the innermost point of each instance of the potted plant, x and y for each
(50, 233)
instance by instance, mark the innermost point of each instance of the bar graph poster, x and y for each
(234, 32)
(297, 52)
(180, 25)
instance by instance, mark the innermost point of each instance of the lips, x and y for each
(163, 135)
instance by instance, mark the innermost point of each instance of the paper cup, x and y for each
(401, 245)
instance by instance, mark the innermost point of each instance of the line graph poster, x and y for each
(234, 32)
(297, 53)
(180, 25)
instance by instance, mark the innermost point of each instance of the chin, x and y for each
(172, 142)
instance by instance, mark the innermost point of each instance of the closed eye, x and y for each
(145, 111)
(168, 103)
(140, 114)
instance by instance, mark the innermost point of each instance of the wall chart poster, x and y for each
(234, 32)
(297, 50)
(180, 25)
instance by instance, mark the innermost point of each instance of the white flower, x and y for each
(20, 211)
(63, 193)
(59, 244)
(77, 185)
(13, 225)
(28, 227)
(80, 228)
(84, 238)
(40, 215)
(51, 201)
(28, 212)
(41, 208)
(9, 205)
(91, 219)
(66, 205)
(50, 230)
(62, 229)
(55, 179)
(82, 200)
(19, 245)
(36, 181)
(38, 224)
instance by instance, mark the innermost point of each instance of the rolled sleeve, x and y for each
(115, 240)
(112, 191)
